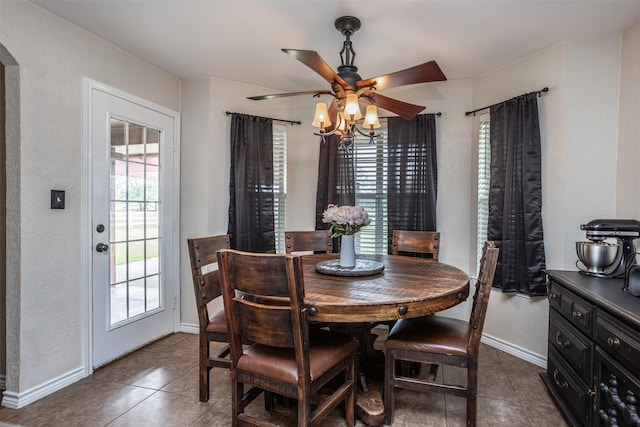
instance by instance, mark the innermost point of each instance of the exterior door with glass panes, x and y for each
(134, 297)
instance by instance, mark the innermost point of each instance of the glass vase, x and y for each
(347, 251)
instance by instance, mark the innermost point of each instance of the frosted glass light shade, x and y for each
(352, 107)
(371, 118)
(321, 118)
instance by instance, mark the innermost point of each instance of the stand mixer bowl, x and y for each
(597, 256)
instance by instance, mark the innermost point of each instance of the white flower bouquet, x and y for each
(345, 220)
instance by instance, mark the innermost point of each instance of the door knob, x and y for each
(101, 247)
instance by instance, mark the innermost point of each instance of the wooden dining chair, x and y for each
(264, 302)
(206, 285)
(441, 340)
(318, 241)
(424, 244)
(416, 243)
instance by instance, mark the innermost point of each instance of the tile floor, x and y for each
(158, 386)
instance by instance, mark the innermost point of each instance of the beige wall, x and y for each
(3, 230)
(45, 318)
(627, 200)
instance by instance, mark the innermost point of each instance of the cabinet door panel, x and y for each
(618, 393)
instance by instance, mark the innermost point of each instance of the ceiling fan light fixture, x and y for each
(348, 89)
(321, 118)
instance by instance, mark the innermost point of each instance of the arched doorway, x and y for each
(9, 214)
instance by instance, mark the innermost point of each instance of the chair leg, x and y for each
(269, 401)
(204, 371)
(237, 392)
(304, 410)
(472, 395)
(350, 400)
(389, 388)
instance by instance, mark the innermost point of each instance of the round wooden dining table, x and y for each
(406, 287)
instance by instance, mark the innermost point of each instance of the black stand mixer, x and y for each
(603, 259)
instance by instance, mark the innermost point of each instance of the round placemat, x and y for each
(364, 267)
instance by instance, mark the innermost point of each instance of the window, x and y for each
(484, 175)
(280, 184)
(371, 191)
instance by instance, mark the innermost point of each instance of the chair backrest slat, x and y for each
(405, 242)
(203, 257)
(318, 241)
(266, 293)
(480, 302)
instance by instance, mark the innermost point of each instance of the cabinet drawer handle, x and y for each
(561, 384)
(565, 344)
(613, 342)
(553, 296)
(576, 315)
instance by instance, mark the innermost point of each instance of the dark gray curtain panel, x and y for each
(412, 174)
(515, 196)
(336, 178)
(251, 199)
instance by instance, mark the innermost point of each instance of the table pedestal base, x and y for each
(369, 406)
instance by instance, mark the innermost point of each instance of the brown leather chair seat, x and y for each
(433, 334)
(280, 363)
(217, 323)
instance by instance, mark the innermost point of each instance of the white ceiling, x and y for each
(241, 39)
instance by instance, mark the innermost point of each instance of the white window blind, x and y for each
(371, 191)
(280, 184)
(484, 175)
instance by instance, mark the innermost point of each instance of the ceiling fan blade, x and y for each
(313, 60)
(403, 109)
(423, 73)
(282, 95)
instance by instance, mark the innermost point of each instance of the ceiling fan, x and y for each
(347, 81)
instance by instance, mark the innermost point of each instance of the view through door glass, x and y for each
(134, 219)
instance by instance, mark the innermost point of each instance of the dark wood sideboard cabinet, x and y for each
(593, 364)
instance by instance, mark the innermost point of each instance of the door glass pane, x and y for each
(118, 262)
(151, 221)
(151, 183)
(153, 143)
(118, 221)
(153, 292)
(152, 257)
(136, 297)
(134, 229)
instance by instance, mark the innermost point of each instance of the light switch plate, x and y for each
(57, 199)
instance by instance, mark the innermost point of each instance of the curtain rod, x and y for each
(435, 114)
(537, 92)
(293, 122)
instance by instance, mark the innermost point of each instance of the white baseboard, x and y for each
(516, 351)
(19, 400)
(189, 328)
